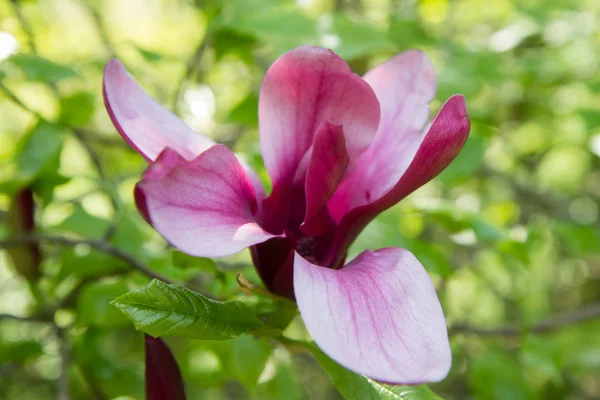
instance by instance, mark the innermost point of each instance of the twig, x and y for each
(10, 94)
(95, 158)
(104, 139)
(70, 299)
(63, 378)
(582, 314)
(100, 245)
(24, 24)
(34, 318)
(191, 65)
(532, 197)
(100, 28)
(95, 389)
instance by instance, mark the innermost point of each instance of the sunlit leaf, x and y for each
(356, 387)
(247, 360)
(496, 375)
(77, 109)
(355, 38)
(246, 112)
(82, 223)
(93, 304)
(148, 55)
(468, 162)
(278, 380)
(19, 351)
(40, 69)
(37, 155)
(160, 309)
(282, 29)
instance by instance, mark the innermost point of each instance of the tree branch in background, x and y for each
(34, 319)
(100, 28)
(189, 70)
(585, 313)
(95, 389)
(65, 355)
(13, 97)
(104, 139)
(100, 245)
(16, 7)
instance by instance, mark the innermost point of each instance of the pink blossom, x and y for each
(339, 149)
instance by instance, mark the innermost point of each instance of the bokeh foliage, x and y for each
(509, 233)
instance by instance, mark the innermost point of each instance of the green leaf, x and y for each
(282, 29)
(226, 41)
(89, 264)
(93, 304)
(77, 109)
(357, 387)
(18, 352)
(40, 69)
(37, 155)
(45, 184)
(130, 235)
(578, 239)
(246, 112)
(497, 375)
(278, 381)
(359, 38)
(467, 163)
(247, 360)
(39, 148)
(148, 55)
(83, 224)
(160, 309)
(405, 31)
(432, 257)
(114, 358)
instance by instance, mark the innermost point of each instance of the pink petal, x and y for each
(204, 207)
(442, 143)
(163, 378)
(379, 316)
(404, 86)
(327, 165)
(303, 89)
(143, 123)
(147, 126)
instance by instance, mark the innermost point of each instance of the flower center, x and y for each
(306, 246)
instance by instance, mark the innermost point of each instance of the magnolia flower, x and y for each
(339, 149)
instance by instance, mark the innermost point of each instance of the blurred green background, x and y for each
(510, 232)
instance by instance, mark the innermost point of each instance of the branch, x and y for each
(191, 65)
(100, 245)
(24, 24)
(65, 359)
(104, 139)
(35, 318)
(13, 97)
(585, 313)
(100, 27)
(95, 388)
(70, 299)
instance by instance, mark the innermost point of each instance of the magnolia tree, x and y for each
(198, 202)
